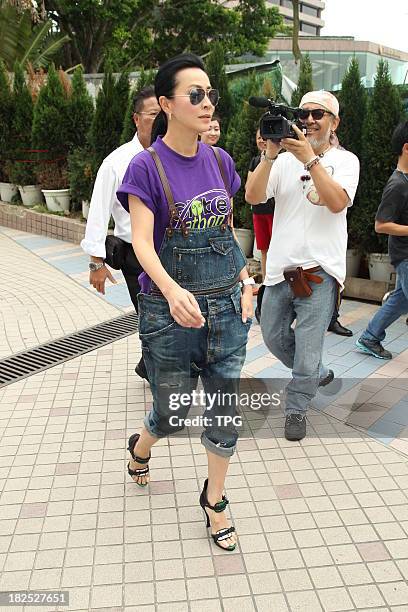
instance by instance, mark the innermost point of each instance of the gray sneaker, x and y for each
(295, 427)
(373, 347)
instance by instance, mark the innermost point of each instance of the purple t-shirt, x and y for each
(196, 184)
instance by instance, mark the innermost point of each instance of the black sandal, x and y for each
(140, 471)
(221, 534)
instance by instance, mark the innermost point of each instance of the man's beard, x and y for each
(316, 143)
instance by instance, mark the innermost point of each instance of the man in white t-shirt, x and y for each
(105, 204)
(313, 183)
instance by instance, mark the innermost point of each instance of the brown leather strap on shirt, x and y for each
(164, 181)
(217, 154)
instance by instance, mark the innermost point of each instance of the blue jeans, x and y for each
(392, 309)
(299, 349)
(176, 356)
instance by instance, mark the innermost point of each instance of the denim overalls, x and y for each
(206, 262)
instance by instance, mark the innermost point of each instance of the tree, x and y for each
(51, 133)
(80, 110)
(146, 77)
(353, 108)
(22, 170)
(6, 117)
(297, 54)
(216, 72)
(50, 124)
(107, 124)
(22, 41)
(384, 112)
(147, 32)
(91, 26)
(305, 82)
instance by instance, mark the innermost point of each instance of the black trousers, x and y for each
(336, 309)
(131, 270)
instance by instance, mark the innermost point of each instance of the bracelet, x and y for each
(312, 162)
(265, 157)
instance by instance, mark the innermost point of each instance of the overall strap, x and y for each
(217, 154)
(174, 216)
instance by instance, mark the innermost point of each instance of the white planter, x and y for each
(257, 255)
(380, 267)
(245, 238)
(57, 200)
(8, 191)
(85, 208)
(353, 258)
(31, 195)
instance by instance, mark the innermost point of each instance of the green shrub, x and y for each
(305, 81)
(80, 111)
(107, 124)
(145, 78)
(215, 67)
(81, 177)
(353, 109)
(384, 112)
(241, 144)
(23, 171)
(6, 119)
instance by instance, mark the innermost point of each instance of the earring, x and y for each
(169, 117)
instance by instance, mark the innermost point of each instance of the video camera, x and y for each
(275, 124)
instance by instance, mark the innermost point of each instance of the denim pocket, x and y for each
(236, 300)
(204, 267)
(155, 319)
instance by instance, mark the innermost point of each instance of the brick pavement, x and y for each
(322, 523)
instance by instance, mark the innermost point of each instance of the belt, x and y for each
(156, 291)
(315, 269)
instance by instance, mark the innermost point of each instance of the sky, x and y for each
(381, 21)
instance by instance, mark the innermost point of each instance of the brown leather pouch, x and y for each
(299, 279)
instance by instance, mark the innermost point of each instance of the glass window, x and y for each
(309, 10)
(308, 29)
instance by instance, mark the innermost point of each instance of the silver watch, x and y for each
(94, 266)
(246, 281)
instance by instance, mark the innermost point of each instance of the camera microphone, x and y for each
(259, 101)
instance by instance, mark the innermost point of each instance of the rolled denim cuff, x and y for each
(221, 451)
(149, 428)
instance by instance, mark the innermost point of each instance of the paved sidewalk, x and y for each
(322, 524)
(38, 302)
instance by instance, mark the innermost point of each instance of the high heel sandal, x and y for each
(143, 460)
(221, 534)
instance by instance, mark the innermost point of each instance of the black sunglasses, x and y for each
(198, 94)
(317, 113)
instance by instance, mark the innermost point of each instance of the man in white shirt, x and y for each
(105, 204)
(313, 183)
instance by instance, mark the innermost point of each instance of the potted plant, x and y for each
(54, 181)
(8, 190)
(22, 173)
(81, 178)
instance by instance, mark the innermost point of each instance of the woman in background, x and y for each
(212, 135)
